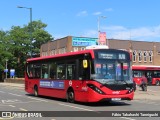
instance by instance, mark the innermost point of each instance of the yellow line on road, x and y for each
(9, 118)
(23, 109)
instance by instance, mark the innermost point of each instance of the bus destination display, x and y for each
(120, 56)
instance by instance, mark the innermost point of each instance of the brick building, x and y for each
(143, 52)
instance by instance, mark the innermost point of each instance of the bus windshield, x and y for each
(112, 70)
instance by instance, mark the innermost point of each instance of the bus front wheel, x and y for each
(70, 96)
(35, 91)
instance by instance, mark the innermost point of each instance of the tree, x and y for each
(39, 36)
(16, 45)
(4, 51)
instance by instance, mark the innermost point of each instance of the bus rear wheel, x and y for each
(70, 96)
(35, 91)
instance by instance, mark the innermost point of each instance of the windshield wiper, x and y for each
(124, 82)
(105, 83)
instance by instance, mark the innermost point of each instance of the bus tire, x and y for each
(157, 82)
(36, 91)
(70, 96)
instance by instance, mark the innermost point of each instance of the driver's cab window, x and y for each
(84, 73)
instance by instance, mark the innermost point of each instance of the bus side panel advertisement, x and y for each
(52, 84)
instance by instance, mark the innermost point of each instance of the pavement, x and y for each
(139, 94)
(13, 84)
(146, 95)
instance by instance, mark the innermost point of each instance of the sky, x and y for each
(122, 19)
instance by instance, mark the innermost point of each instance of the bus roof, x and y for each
(145, 67)
(91, 51)
(62, 55)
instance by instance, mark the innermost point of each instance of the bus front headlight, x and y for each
(96, 89)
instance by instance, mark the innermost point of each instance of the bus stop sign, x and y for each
(12, 72)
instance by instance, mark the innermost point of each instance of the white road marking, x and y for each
(152, 90)
(127, 118)
(10, 101)
(14, 94)
(12, 106)
(2, 91)
(75, 107)
(151, 103)
(90, 110)
(37, 99)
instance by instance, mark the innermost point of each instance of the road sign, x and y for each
(5, 70)
(12, 72)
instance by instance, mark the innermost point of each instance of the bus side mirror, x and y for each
(85, 64)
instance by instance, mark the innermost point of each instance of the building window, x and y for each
(75, 49)
(53, 52)
(44, 53)
(140, 56)
(134, 56)
(145, 56)
(83, 48)
(62, 50)
(150, 56)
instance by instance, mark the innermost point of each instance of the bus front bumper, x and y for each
(99, 98)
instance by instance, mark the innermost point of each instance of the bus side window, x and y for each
(52, 70)
(45, 75)
(30, 74)
(59, 75)
(44, 71)
(71, 70)
(61, 71)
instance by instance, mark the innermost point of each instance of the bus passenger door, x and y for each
(82, 75)
(149, 77)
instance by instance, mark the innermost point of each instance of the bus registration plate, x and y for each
(116, 99)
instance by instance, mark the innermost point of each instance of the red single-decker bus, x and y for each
(87, 76)
(152, 73)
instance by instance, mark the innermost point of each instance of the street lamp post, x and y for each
(99, 25)
(99, 22)
(6, 68)
(30, 9)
